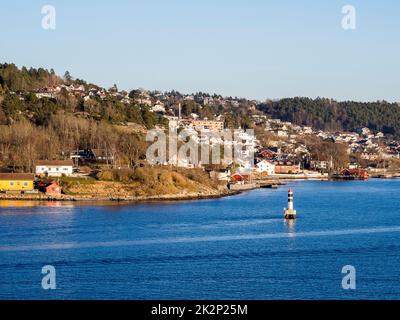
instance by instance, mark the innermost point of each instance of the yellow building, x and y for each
(209, 124)
(16, 181)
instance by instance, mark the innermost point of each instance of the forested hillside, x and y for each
(330, 115)
(14, 79)
(18, 100)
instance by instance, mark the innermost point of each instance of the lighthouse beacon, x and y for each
(290, 213)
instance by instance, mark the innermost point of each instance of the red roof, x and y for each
(17, 176)
(55, 163)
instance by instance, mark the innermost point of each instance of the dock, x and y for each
(242, 187)
(269, 186)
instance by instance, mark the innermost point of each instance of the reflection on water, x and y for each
(27, 203)
(291, 227)
(65, 204)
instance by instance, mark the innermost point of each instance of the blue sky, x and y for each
(254, 49)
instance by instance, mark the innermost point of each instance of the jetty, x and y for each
(269, 186)
(242, 186)
(384, 173)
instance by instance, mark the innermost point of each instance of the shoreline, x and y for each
(156, 198)
(133, 199)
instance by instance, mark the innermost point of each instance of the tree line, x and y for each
(14, 79)
(331, 115)
(22, 142)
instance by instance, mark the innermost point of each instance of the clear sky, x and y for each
(255, 48)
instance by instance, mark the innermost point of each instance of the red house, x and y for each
(240, 177)
(287, 168)
(50, 187)
(355, 173)
(267, 154)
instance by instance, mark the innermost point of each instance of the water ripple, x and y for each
(241, 237)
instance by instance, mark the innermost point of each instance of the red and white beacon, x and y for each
(290, 213)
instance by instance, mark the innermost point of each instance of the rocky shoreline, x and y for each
(94, 198)
(185, 196)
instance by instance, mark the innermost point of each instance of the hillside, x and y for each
(38, 94)
(24, 94)
(330, 115)
(14, 79)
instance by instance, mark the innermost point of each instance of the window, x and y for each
(12, 184)
(25, 184)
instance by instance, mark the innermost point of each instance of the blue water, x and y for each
(231, 248)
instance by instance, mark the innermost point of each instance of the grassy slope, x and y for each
(149, 181)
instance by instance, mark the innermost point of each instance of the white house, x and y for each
(41, 95)
(265, 167)
(365, 131)
(221, 175)
(54, 168)
(307, 130)
(158, 108)
(281, 133)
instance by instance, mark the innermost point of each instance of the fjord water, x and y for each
(237, 247)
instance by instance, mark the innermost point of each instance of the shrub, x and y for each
(123, 175)
(105, 175)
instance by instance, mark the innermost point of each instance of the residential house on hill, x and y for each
(221, 174)
(92, 155)
(208, 124)
(267, 154)
(54, 168)
(265, 167)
